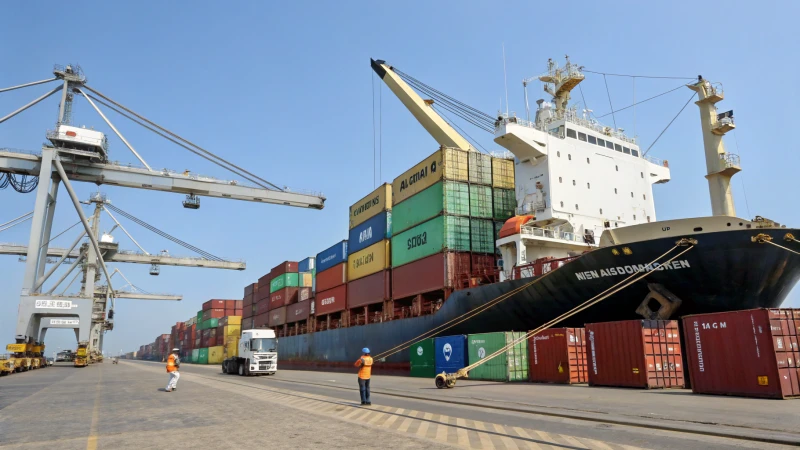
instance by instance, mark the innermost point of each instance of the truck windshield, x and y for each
(264, 345)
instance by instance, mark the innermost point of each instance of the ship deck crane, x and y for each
(78, 154)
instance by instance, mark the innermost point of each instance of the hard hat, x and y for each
(365, 350)
(176, 350)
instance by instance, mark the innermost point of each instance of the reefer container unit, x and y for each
(750, 353)
(504, 203)
(635, 353)
(503, 173)
(558, 355)
(480, 168)
(445, 163)
(370, 232)
(444, 197)
(369, 290)
(331, 301)
(480, 201)
(307, 265)
(438, 272)
(277, 317)
(297, 312)
(422, 359)
(450, 353)
(377, 201)
(283, 281)
(284, 267)
(283, 297)
(511, 365)
(331, 256)
(329, 279)
(434, 236)
(372, 259)
(482, 236)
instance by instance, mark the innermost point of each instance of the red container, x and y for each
(261, 320)
(483, 263)
(248, 300)
(277, 317)
(304, 294)
(297, 312)
(282, 297)
(230, 312)
(214, 304)
(213, 314)
(558, 355)
(369, 290)
(330, 278)
(739, 353)
(237, 312)
(261, 307)
(263, 287)
(237, 304)
(635, 353)
(284, 267)
(331, 301)
(433, 273)
(250, 289)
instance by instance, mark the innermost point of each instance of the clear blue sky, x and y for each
(284, 88)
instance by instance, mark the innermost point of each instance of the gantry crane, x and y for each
(80, 154)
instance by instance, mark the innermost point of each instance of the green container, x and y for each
(445, 197)
(195, 356)
(480, 201)
(202, 356)
(511, 365)
(422, 358)
(210, 323)
(282, 281)
(431, 237)
(199, 316)
(480, 168)
(505, 203)
(482, 236)
(497, 227)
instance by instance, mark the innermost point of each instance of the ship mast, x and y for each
(559, 81)
(721, 166)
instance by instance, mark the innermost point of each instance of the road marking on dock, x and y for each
(462, 432)
(91, 441)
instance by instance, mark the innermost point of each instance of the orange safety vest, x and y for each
(171, 367)
(365, 364)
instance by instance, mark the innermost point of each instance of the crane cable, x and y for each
(406, 77)
(472, 313)
(163, 234)
(592, 301)
(451, 122)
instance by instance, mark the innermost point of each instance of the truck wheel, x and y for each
(224, 366)
(241, 370)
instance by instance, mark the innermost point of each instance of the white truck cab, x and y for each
(257, 354)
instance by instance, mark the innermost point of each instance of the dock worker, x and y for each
(173, 364)
(364, 373)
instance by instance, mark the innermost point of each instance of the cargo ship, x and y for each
(564, 215)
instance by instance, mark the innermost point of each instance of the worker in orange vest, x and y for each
(173, 364)
(364, 372)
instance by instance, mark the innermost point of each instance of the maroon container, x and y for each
(263, 287)
(433, 273)
(237, 312)
(330, 278)
(213, 314)
(261, 307)
(369, 290)
(277, 317)
(331, 301)
(250, 289)
(261, 320)
(214, 304)
(558, 355)
(304, 294)
(248, 323)
(282, 297)
(284, 267)
(297, 312)
(635, 353)
(483, 263)
(746, 353)
(248, 300)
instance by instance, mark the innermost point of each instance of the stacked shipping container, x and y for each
(330, 298)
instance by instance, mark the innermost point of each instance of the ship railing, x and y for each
(531, 208)
(656, 161)
(539, 267)
(528, 231)
(729, 160)
(55, 134)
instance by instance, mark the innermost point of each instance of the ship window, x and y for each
(571, 133)
(601, 212)
(616, 224)
(729, 224)
(573, 182)
(615, 190)
(631, 194)
(610, 145)
(698, 229)
(648, 218)
(617, 167)
(644, 196)
(634, 217)
(582, 137)
(626, 150)
(559, 154)
(617, 147)
(635, 152)
(592, 139)
(559, 179)
(587, 161)
(601, 142)
(588, 186)
(569, 157)
(642, 174)
(576, 207)
(562, 204)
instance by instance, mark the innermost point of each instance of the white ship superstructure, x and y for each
(575, 176)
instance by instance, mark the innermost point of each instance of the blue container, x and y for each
(451, 353)
(372, 231)
(307, 265)
(332, 256)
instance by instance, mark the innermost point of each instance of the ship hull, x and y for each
(725, 271)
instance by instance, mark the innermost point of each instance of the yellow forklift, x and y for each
(82, 355)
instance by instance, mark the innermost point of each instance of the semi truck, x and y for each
(256, 354)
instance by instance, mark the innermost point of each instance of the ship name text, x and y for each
(631, 269)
